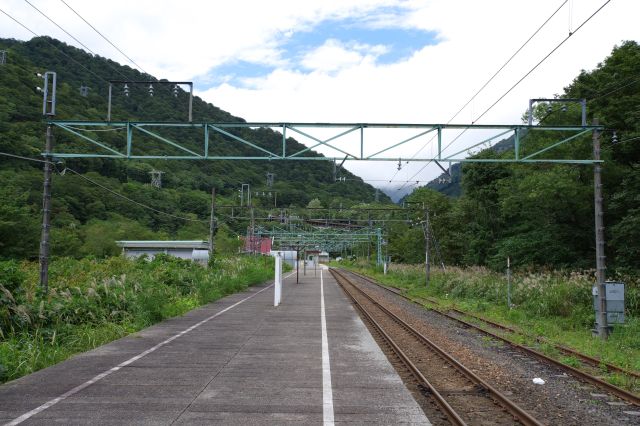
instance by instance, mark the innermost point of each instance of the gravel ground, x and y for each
(471, 402)
(562, 400)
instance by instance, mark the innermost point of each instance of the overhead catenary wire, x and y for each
(79, 129)
(134, 201)
(111, 191)
(541, 61)
(598, 96)
(53, 45)
(495, 74)
(7, 154)
(517, 83)
(105, 38)
(70, 35)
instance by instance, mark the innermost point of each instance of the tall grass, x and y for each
(91, 302)
(554, 304)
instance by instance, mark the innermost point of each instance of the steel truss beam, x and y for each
(330, 240)
(88, 131)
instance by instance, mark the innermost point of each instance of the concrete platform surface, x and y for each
(236, 361)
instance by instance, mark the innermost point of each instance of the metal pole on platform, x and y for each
(277, 287)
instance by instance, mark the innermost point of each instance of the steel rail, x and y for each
(442, 403)
(506, 403)
(580, 375)
(594, 362)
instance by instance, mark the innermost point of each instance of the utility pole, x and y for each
(212, 225)
(48, 110)
(46, 213)
(603, 329)
(427, 267)
(369, 237)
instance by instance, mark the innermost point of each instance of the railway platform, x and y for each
(239, 360)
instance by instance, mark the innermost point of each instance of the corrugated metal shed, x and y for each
(192, 250)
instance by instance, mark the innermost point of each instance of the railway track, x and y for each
(588, 362)
(461, 395)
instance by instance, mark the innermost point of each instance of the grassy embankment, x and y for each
(92, 302)
(554, 305)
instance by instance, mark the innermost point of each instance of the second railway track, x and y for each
(593, 363)
(464, 397)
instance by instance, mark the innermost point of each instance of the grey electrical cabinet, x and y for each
(614, 295)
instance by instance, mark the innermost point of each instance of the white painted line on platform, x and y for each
(327, 392)
(104, 374)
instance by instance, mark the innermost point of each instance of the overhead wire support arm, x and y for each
(87, 131)
(151, 91)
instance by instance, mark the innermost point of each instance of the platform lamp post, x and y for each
(49, 111)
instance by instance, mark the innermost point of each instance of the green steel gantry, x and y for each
(205, 149)
(327, 239)
(88, 131)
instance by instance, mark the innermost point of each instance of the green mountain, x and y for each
(86, 218)
(543, 214)
(451, 183)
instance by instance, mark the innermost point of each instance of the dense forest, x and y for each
(536, 214)
(543, 214)
(86, 218)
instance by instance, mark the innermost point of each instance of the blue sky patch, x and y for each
(382, 27)
(401, 42)
(234, 72)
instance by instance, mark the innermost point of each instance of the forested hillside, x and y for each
(543, 214)
(86, 218)
(539, 215)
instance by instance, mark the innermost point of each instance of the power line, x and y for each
(52, 45)
(520, 80)
(633, 138)
(134, 201)
(117, 194)
(70, 35)
(541, 61)
(104, 37)
(6, 154)
(487, 83)
(613, 91)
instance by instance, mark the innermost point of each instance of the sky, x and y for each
(365, 61)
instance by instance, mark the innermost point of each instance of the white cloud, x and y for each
(343, 82)
(334, 55)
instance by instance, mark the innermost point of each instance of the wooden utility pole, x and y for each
(603, 329)
(213, 226)
(427, 267)
(46, 213)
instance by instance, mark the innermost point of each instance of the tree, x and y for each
(314, 204)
